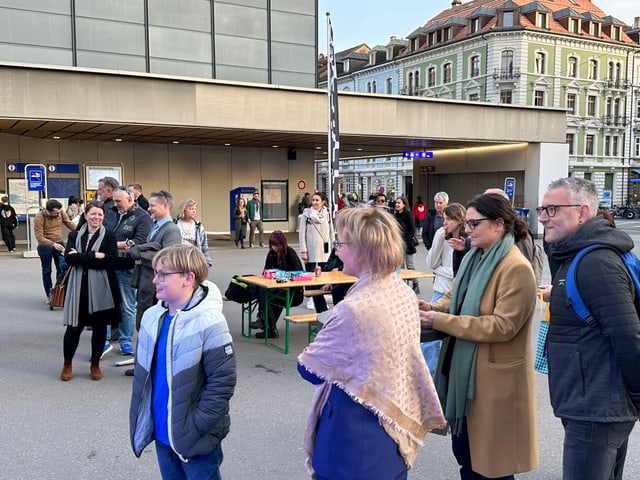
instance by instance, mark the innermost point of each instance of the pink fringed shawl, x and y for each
(370, 348)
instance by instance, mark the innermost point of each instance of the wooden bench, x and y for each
(309, 318)
(315, 293)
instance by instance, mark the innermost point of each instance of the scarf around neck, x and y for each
(97, 283)
(369, 347)
(458, 391)
(315, 216)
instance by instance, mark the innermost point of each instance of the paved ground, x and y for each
(79, 429)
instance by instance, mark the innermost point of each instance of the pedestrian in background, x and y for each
(407, 228)
(8, 223)
(47, 228)
(92, 297)
(435, 218)
(185, 371)
(191, 229)
(240, 219)
(419, 214)
(254, 209)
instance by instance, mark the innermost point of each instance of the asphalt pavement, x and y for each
(78, 430)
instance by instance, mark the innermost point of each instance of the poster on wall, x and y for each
(275, 200)
(93, 173)
(20, 199)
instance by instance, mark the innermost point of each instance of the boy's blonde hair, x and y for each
(183, 258)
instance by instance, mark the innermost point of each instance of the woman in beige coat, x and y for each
(485, 375)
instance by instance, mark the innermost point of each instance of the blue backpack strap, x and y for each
(573, 295)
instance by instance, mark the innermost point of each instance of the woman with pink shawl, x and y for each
(374, 399)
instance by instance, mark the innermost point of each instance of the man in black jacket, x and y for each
(594, 383)
(435, 218)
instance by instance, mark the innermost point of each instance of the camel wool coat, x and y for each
(502, 425)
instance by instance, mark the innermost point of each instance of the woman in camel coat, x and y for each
(494, 434)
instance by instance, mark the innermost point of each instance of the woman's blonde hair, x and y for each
(189, 202)
(374, 235)
(184, 259)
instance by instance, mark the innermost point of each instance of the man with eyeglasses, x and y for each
(594, 384)
(163, 234)
(133, 227)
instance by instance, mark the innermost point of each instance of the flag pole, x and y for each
(333, 151)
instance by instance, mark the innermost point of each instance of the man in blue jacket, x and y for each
(594, 383)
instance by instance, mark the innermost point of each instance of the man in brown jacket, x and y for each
(47, 227)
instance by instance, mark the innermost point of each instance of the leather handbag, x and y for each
(58, 291)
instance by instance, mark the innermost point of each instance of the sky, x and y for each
(374, 21)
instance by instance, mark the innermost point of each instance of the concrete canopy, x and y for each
(89, 105)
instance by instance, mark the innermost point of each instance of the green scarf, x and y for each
(457, 391)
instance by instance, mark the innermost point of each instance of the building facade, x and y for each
(569, 55)
(263, 41)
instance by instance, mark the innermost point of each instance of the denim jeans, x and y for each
(593, 450)
(47, 254)
(127, 307)
(202, 467)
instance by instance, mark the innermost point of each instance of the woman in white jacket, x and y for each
(316, 238)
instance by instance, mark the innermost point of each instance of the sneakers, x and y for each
(107, 348)
(125, 349)
(273, 333)
(310, 305)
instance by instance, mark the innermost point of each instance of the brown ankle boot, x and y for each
(96, 374)
(66, 375)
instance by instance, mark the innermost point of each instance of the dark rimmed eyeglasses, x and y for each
(472, 224)
(551, 210)
(161, 276)
(338, 244)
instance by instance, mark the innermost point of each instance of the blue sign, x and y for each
(35, 178)
(411, 154)
(509, 186)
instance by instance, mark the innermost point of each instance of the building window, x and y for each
(591, 106)
(539, 66)
(431, 76)
(570, 139)
(637, 147)
(446, 34)
(506, 96)
(593, 69)
(541, 20)
(616, 108)
(587, 176)
(416, 83)
(506, 63)
(368, 87)
(474, 97)
(538, 98)
(574, 25)
(588, 147)
(374, 87)
(607, 145)
(507, 19)
(572, 67)
(571, 103)
(446, 73)
(618, 71)
(611, 70)
(614, 146)
(389, 85)
(410, 83)
(475, 66)
(474, 25)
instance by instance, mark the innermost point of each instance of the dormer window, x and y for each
(616, 33)
(507, 19)
(474, 25)
(541, 20)
(416, 44)
(390, 53)
(574, 25)
(345, 65)
(446, 34)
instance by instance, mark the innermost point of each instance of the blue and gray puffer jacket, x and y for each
(201, 376)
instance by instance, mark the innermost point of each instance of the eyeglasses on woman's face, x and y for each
(473, 223)
(337, 244)
(161, 276)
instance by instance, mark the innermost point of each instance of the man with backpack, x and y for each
(594, 383)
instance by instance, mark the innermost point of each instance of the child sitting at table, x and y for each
(282, 257)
